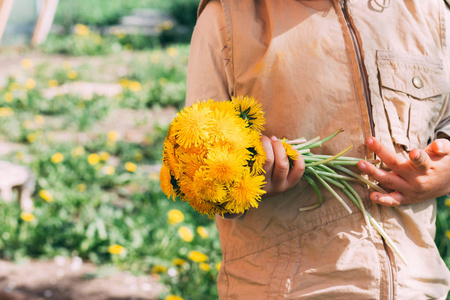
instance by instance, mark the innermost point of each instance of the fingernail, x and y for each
(370, 141)
(375, 197)
(362, 165)
(416, 157)
(274, 138)
(439, 146)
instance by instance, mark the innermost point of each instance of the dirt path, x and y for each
(71, 279)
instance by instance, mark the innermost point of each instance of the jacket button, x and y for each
(417, 82)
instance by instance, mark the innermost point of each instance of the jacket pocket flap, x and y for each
(419, 76)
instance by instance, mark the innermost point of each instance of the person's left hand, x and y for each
(425, 175)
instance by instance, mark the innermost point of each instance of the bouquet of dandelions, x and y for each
(213, 159)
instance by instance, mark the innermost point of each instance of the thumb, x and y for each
(441, 147)
(420, 159)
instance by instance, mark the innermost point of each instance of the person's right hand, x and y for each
(279, 176)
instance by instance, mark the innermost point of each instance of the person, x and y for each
(380, 70)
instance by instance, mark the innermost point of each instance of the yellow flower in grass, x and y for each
(249, 109)
(77, 151)
(104, 155)
(108, 170)
(93, 159)
(31, 138)
(178, 262)
(52, 83)
(46, 195)
(57, 158)
(186, 234)
(39, 119)
(447, 201)
(26, 63)
(27, 217)
(174, 216)
(197, 256)
(116, 249)
(134, 86)
(202, 232)
(81, 187)
(245, 193)
(130, 167)
(81, 29)
(8, 97)
(204, 266)
(173, 297)
(72, 74)
(171, 51)
(447, 233)
(13, 86)
(6, 111)
(30, 84)
(113, 136)
(159, 269)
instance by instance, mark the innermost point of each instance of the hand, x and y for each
(423, 176)
(279, 176)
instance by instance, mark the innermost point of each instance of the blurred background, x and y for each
(83, 115)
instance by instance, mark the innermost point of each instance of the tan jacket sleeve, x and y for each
(206, 77)
(443, 127)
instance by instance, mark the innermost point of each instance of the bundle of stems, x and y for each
(331, 170)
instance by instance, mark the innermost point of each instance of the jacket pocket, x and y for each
(412, 89)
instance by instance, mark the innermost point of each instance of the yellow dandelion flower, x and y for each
(191, 125)
(170, 159)
(32, 137)
(52, 83)
(224, 166)
(173, 297)
(116, 249)
(197, 256)
(13, 86)
(205, 207)
(159, 269)
(185, 234)
(27, 217)
(57, 158)
(39, 119)
(174, 216)
(226, 124)
(81, 30)
(245, 193)
(81, 187)
(447, 202)
(209, 189)
(166, 182)
(249, 109)
(291, 153)
(113, 136)
(67, 65)
(218, 265)
(204, 266)
(171, 51)
(134, 86)
(9, 97)
(108, 170)
(93, 159)
(202, 232)
(6, 111)
(447, 234)
(26, 63)
(72, 74)
(130, 167)
(187, 188)
(104, 156)
(77, 151)
(191, 163)
(178, 262)
(30, 84)
(46, 195)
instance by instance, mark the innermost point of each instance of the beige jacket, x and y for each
(316, 66)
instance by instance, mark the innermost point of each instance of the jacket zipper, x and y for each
(365, 84)
(357, 47)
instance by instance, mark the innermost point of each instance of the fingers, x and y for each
(441, 147)
(392, 199)
(385, 179)
(296, 172)
(420, 159)
(281, 163)
(389, 157)
(268, 166)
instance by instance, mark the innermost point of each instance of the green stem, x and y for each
(330, 158)
(366, 181)
(319, 195)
